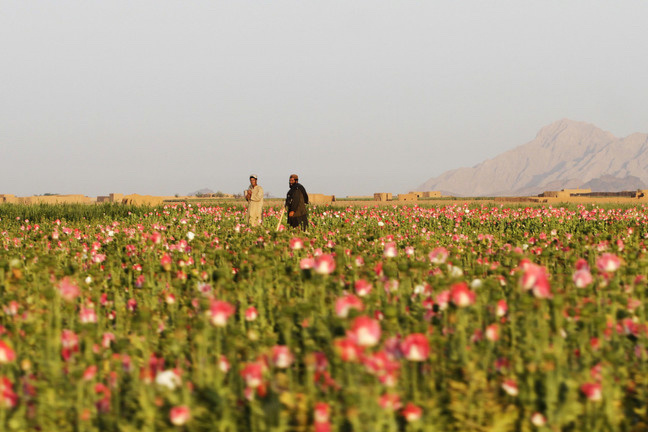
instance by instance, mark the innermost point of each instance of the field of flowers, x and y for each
(455, 318)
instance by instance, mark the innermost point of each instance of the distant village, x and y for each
(135, 199)
(564, 195)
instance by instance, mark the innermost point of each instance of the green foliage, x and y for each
(153, 276)
(9, 213)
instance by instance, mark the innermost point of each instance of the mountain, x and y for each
(564, 154)
(609, 183)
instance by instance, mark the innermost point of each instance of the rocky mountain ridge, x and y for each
(564, 154)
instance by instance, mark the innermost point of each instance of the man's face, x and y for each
(291, 181)
(253, 181)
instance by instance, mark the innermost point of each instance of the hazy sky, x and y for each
(163, 97)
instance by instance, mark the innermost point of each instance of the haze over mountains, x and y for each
(564, 154)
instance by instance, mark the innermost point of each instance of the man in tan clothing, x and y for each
(254, 196)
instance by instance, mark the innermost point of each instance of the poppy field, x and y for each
(393, 318)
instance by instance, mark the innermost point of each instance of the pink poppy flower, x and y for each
(592, 391)
(98, 258)
(170, 298)
(391, 286)
(103, 405)
(365, 331)
(156, 237)
(321, 417)
(596, 372)
(7, 354)
(438, 256)
(251, 314)
(510, 387)
(68, 289)
(415, 347)
(492, 332)
(69, 343)
(8, 398)
(131, 304)
(282, 358)
(219, 312)
(595, 343)
(388, 378)
(223, 364)
(87, 316)
(348, 349)
(535, 278)
(502, 308)
(166, 262)
(179, 415)
(392, 347)
(461, 295)
(322, 412)
(582, 278)
(347, 302)
(325, 264)
(502, 365)
(306, 263)
(12, 308)
(248, 392)
(362, 287)
(90, 373)
(581, 264)
(378, 269)
(252, 373)
(296, 243)
(69, 339)
(608, 263)
(319, 361)
(380, 363)
(443, 299)
(205, 289)
(322, 427)
(428, 304)
(390, 401)
(107, 339)
(633, 304)
(412, 412)
(390, 250)
(543, 290)
(538, 420)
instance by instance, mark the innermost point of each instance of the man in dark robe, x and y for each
(296, 201)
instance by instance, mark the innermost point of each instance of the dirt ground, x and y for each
(524, 201)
